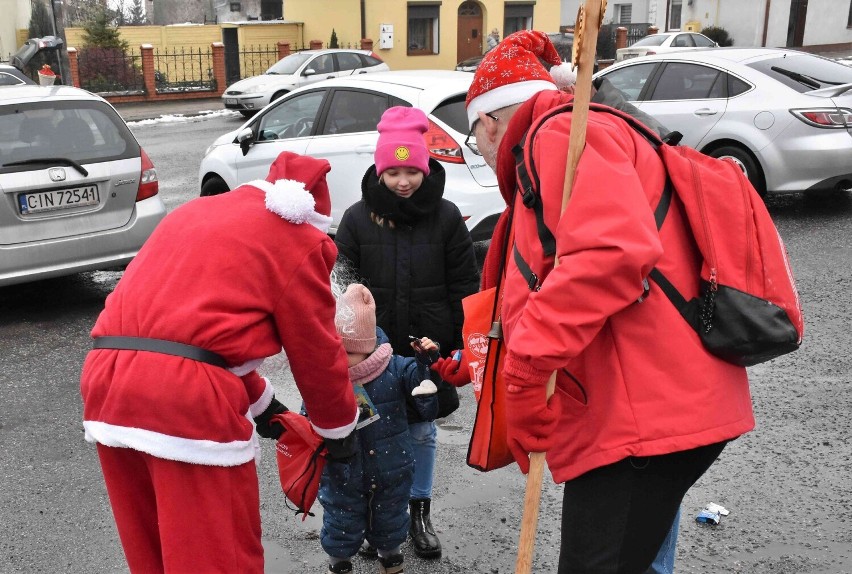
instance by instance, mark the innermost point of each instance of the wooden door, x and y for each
(796, 24)
(470, 39)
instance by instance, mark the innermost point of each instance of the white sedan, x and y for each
(664, 42)
(336, 120)
(248, 96)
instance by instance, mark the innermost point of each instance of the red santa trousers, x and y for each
(178, 517)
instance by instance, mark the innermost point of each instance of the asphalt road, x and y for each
(787, 484)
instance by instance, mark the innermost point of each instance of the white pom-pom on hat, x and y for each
(564, 75)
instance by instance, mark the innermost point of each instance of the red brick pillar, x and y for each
(74, 67)
(653, 30)
(148, 71)
(620, 37)
(316, 44)
(283, 49)
(366, 44)
(219, 67)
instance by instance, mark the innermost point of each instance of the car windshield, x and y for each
(653, 40)
(83, 132)
(805, 73)
(289, 65)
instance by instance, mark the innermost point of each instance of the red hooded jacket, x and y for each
(634, 377)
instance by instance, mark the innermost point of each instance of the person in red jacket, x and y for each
(640, 409)
(170, 391)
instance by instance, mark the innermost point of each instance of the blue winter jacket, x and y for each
(366, 497)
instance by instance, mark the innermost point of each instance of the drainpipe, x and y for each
(363, 20)
(766, 23)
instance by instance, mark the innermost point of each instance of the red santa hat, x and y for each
(296, 189)
(511, 73)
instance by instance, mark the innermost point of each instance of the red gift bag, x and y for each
(301, 458)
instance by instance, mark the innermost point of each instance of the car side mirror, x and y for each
(245, 139)
(309, 72)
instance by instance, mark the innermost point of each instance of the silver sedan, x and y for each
(784, 116)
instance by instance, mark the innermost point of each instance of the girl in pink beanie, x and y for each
(413, 249)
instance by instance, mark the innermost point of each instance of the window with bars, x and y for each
(624, 13)
(423, 29)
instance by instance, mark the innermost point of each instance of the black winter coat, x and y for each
(417, 273)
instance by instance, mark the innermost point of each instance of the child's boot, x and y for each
(426, 543)
(393, 564)
(342, 567)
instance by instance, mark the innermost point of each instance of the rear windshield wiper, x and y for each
(59, 160)
(815, 83)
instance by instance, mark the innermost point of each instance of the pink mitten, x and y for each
(530, 417)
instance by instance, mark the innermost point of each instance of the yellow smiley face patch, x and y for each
(402, 153)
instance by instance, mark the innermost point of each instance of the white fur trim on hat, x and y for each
(506, 95)
(289, 199)
(564, 75)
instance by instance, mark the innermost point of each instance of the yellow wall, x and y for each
(344, 16)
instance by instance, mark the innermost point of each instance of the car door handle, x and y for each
(365, 149)
(706, 112)
(329, 77)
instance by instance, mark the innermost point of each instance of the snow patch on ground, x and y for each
(178, 118)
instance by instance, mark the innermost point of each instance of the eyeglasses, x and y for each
(470, 140)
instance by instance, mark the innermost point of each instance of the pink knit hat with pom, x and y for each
(401, 141)
(356, 319)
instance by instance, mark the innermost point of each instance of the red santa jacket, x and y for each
(634, 378)
(243, 287)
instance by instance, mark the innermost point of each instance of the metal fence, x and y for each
(110, 71)
(254, 60)
(184, 70)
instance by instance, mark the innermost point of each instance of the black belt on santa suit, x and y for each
(160, 346)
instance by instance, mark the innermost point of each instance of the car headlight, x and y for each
(257, 88)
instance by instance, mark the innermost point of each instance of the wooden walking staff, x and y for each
(589, 19)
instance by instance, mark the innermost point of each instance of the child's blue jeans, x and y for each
(424, 444)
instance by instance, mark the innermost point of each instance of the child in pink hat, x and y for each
(413, 249)
(366, 497)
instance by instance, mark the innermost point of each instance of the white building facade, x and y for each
(772, 23)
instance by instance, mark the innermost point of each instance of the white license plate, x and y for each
(626, 56)
(41, 201)
(230, 101)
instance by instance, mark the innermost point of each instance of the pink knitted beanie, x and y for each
(356, 319)
(401, 141)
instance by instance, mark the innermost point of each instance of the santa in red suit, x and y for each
(170, 392)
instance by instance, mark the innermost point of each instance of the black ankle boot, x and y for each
(426, 543)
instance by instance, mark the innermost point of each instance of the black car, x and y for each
(562, 41)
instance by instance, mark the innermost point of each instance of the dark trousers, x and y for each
(615, 518)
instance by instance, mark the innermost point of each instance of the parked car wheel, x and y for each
(278, 94)
(214, 186)
(248, 113)
(745, 161)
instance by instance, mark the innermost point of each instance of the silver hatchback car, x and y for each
(77, 192)
(785, 117)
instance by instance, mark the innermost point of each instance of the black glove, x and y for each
(341, 449)
(268, 429)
